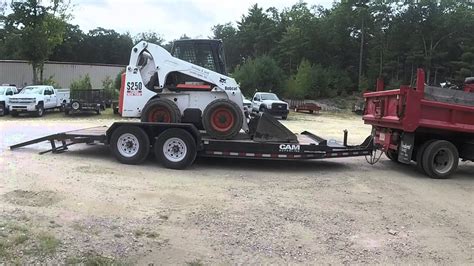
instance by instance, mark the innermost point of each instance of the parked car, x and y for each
(85, 101)
(6, 91)
(38, 98)
(269, 102)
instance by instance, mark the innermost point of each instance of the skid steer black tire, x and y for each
(175, 148)
(222, 119)
(161, 110)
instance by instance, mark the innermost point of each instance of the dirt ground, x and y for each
(84, 207)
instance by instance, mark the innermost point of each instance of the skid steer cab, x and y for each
(157, 87)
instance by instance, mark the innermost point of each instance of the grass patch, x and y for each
(195, 262)
(12, 236)
(140, 233)
(92, 259)
(47, 244)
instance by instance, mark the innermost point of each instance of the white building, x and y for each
(20, 72)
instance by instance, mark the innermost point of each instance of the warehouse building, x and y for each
(20, 72)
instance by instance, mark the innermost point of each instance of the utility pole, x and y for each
(362, 6)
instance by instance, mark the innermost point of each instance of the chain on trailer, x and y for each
(374, 158)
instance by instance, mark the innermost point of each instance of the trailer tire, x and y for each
(130, 144)
(440, 159)
(161, 110)
(419, 155)
(222, 119)
(75, 105)
(175, 148)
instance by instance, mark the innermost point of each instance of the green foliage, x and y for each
(108, 85)
(83, 83)
(50, 81)
(261, 73)
(38, 28)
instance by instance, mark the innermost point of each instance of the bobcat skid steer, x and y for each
(158, 87)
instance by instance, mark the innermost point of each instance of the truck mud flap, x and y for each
(268, 129)
(405, 151)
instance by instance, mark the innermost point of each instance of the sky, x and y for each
(170, 18)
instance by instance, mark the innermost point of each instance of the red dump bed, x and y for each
(409, 109)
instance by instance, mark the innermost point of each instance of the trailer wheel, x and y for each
(76, 105)
(440, 159)
(130, 144)
(222, 119)
(175, 148)
(161, 110)
(419, 156)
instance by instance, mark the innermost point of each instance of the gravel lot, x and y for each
(84, 207)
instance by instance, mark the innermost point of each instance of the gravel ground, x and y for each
(84, 207)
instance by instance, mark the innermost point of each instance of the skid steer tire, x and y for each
(161, 110)
(175, 149)
(222, 119)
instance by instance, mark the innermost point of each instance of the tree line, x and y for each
(301, 51)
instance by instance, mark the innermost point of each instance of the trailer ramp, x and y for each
(61, 141)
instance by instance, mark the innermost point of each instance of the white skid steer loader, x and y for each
(158, 87)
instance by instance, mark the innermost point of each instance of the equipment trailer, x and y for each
(176, 145)
(432, 126)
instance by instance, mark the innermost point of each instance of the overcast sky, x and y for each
(170, 18)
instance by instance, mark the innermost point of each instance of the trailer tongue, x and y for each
(177, 145)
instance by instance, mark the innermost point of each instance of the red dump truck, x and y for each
(429, 125)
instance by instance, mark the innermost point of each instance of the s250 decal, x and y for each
(134, 88)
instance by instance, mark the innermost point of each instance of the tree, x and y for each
(83, 83)
(151, 37)
(41, 28)
(261, 73)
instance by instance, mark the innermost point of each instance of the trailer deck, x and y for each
(308, 146)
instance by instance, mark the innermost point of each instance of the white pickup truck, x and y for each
(269, 102)
(6, 91)
(36, 99)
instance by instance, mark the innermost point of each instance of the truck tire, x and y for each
(14, 113)
(161, 110)
(2, 109)
(392, 155)
(419, 155)
(175, 148)
(130, 144)
(40, 110)
(222, 119)
(440, 159)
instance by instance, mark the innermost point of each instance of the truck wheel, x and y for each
(440, 159)
(14, 113)
(40, 110)
(2, 109)
(130, 144)
(284, 117)
(175, 148)
(222, 119)
(161, 110)
(419, 156)
(392, 155)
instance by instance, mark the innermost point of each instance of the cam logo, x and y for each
(289, 148)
